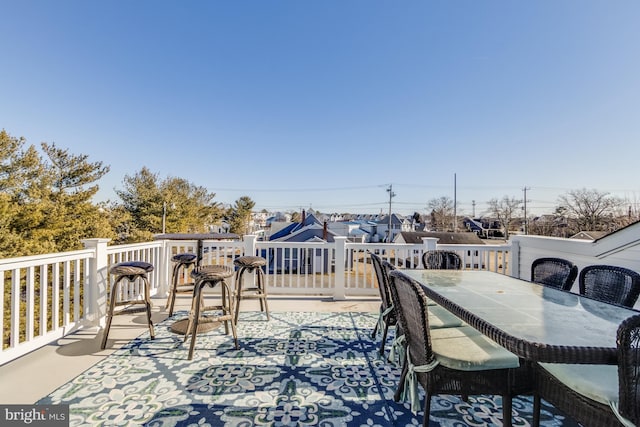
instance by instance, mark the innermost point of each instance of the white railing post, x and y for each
(95, 291)
(340, 261)
(164, 270)
(514, 259)
(430, 243)
(249, 244)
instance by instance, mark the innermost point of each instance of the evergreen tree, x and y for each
(45, 203)
(185, 207)
(240, 215)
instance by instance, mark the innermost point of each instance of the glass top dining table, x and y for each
(530, 320)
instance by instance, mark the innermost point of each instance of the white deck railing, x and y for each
(45, 297)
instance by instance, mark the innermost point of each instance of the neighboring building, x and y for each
(399, 224)
(485, 228)
(313, 260)
(352, 229)
(589, 235)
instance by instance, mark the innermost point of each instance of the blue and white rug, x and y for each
(298, 369)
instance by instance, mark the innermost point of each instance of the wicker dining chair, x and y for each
(452, 360)
(387, 315)
(596, 395)
(442, 260)
(554, 272)
(611, 284)
(439, 317)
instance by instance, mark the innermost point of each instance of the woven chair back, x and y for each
(413, 316)
(383, 281)
(554, 272)
(611, 284)
(441, 260)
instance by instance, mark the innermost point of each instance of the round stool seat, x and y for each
(131, 268)
(211, 273)
(250, 261)
(186, 258)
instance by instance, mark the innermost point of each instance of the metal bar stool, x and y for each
(131, 271)
(250, 264)
(184, 261)
(210, 275)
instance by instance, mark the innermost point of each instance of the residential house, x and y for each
(301, 260)
(399, 224)
(485, 228)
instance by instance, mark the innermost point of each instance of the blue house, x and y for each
(302, 260)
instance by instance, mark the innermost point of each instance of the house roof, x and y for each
(620, 230)
(589, 235)
(309, 228)
(444, 238)
(395, 219)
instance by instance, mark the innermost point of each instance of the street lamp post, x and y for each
(164, 216)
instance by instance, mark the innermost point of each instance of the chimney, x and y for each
(304, 216)
(325, 234)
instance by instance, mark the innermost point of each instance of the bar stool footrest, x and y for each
(130, 310)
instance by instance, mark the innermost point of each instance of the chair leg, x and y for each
(384, 338)
(147, 301)
(224, 306)
(403, 374)
(263, 291)
(506, 410)
(375, 328)
(112, 304)
(194, 323)
(427, 409)
(194, 302)
(228, 311)
(174, 288)
(536, 410)
(238, 293)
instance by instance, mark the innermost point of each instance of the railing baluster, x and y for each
(30, 302)
(15, 308)
(55, 297)
(66, 288)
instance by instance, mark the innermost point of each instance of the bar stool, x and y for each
(131, 271)
(250, 264)
(210, 275)
(182, 261)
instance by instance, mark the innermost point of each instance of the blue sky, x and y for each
(325, 104)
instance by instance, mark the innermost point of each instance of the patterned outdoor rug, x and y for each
(299, 369)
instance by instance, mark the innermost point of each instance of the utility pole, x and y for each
(455, 203)
(526, 221)
(391, 196)
(473, 204)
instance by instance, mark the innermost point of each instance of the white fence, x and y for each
(45, 297)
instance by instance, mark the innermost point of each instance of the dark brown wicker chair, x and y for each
(452, 360)
(593, 406)
(554, 272)
(439, 317)
(441, 260)
(608, 283)
(387, 312)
